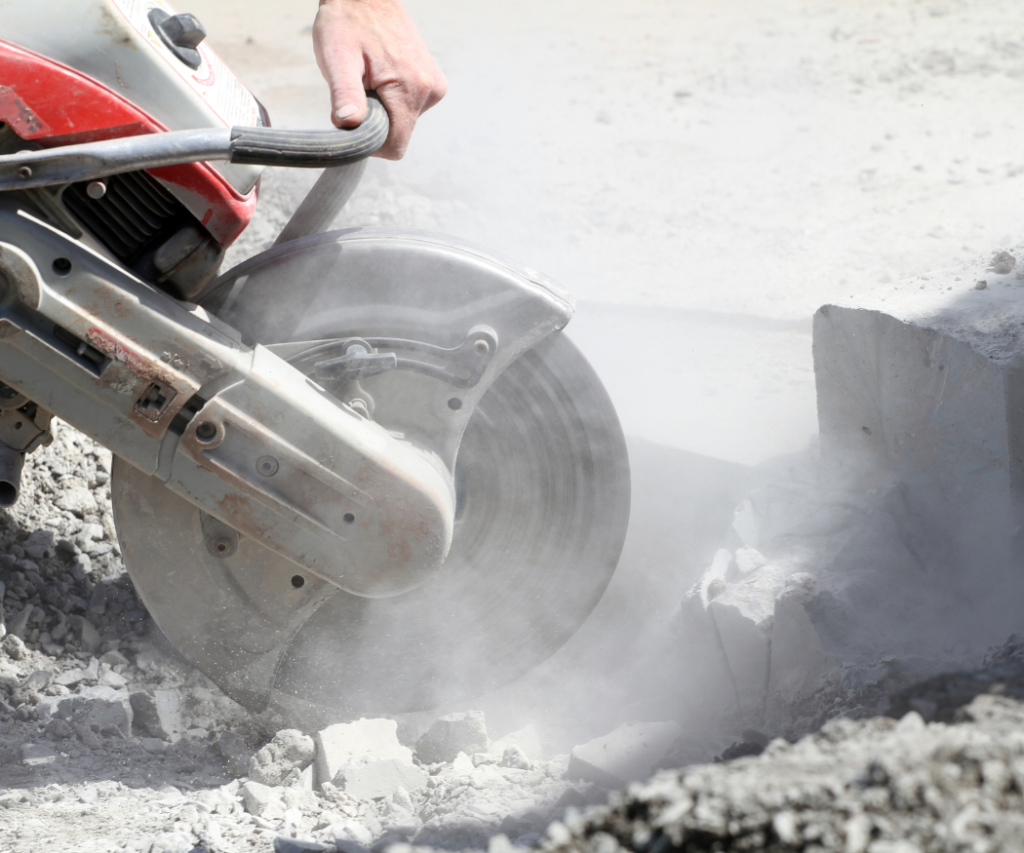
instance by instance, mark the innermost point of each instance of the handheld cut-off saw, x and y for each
(363, 470)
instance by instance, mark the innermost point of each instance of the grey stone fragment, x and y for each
(514, 757)
(36, 755)
(59, 728)
(103, 709)
(39, 544)
(449, 735)
(77, 499)
(100, 709)
(234, 752)
(337, 745)
(262, 800)
(85, 632)
(289, 750)
(284, 844)
(172, 842)
(628, 754)
(371, 780)
(71, 677)
(14, 647)
(158, 713)
(18, 626)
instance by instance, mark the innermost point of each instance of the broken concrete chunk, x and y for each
(36, 755)
(71, 677)
(234, 751)
(449, 735)
(262, 800)
(39, 544)
(13, 646)
(368, 779)
(515, 758)
(85, 632)
(158, 714)
(18, 626)
(102, 709)
(742, 613)
(350, 831)
(628, 754)
(286, 844)
(289, 750)
(337, 745)
(800, 665)
(925, 383)
(78, 499)
(172, 842)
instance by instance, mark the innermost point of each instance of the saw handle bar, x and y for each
(257, 146)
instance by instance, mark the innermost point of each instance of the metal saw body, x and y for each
(362, 472)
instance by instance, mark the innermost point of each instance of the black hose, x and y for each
(311, 149)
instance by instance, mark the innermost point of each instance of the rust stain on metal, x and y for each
(116, 349)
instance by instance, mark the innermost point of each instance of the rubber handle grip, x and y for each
(311, 149)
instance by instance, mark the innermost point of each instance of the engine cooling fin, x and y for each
(133, 217)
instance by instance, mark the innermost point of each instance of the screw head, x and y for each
(206, 431)
(267, 466)
(221, 545)
(96, 189)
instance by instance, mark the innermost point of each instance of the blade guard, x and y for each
(436, 302)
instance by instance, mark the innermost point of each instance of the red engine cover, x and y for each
(49, 103)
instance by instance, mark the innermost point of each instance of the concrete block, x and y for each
(85, 632)
(706, 687)
(36, 755)
(234, 752)
(449, 735)
(369, 779)
(337, 745)
(289, 750)
(102, 709)
(628, 754)
(350, 830)
(39, 544)
(921, 384)
(742, 612)
(515, 758)
(262, 801)
(71, 677)
(158, 714)
(800, 664)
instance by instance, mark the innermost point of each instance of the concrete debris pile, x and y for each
(889, 552)
(96, 714)
(860, 786)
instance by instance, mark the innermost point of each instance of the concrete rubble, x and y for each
(800, 624)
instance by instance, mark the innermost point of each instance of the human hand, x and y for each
(364, 45)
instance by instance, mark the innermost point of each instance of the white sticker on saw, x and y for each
(213, 81)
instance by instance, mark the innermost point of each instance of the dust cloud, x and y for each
(702, 176)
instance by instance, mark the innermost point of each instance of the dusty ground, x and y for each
(702, 176)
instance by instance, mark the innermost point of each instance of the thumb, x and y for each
(343, 66)
(348, 98)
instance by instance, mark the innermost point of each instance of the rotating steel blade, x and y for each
(543, 501)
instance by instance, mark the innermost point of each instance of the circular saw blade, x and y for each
(542, 481)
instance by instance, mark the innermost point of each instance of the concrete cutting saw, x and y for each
(362, 471)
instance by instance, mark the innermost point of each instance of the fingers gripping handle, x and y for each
(311, 149)
(260, 146)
